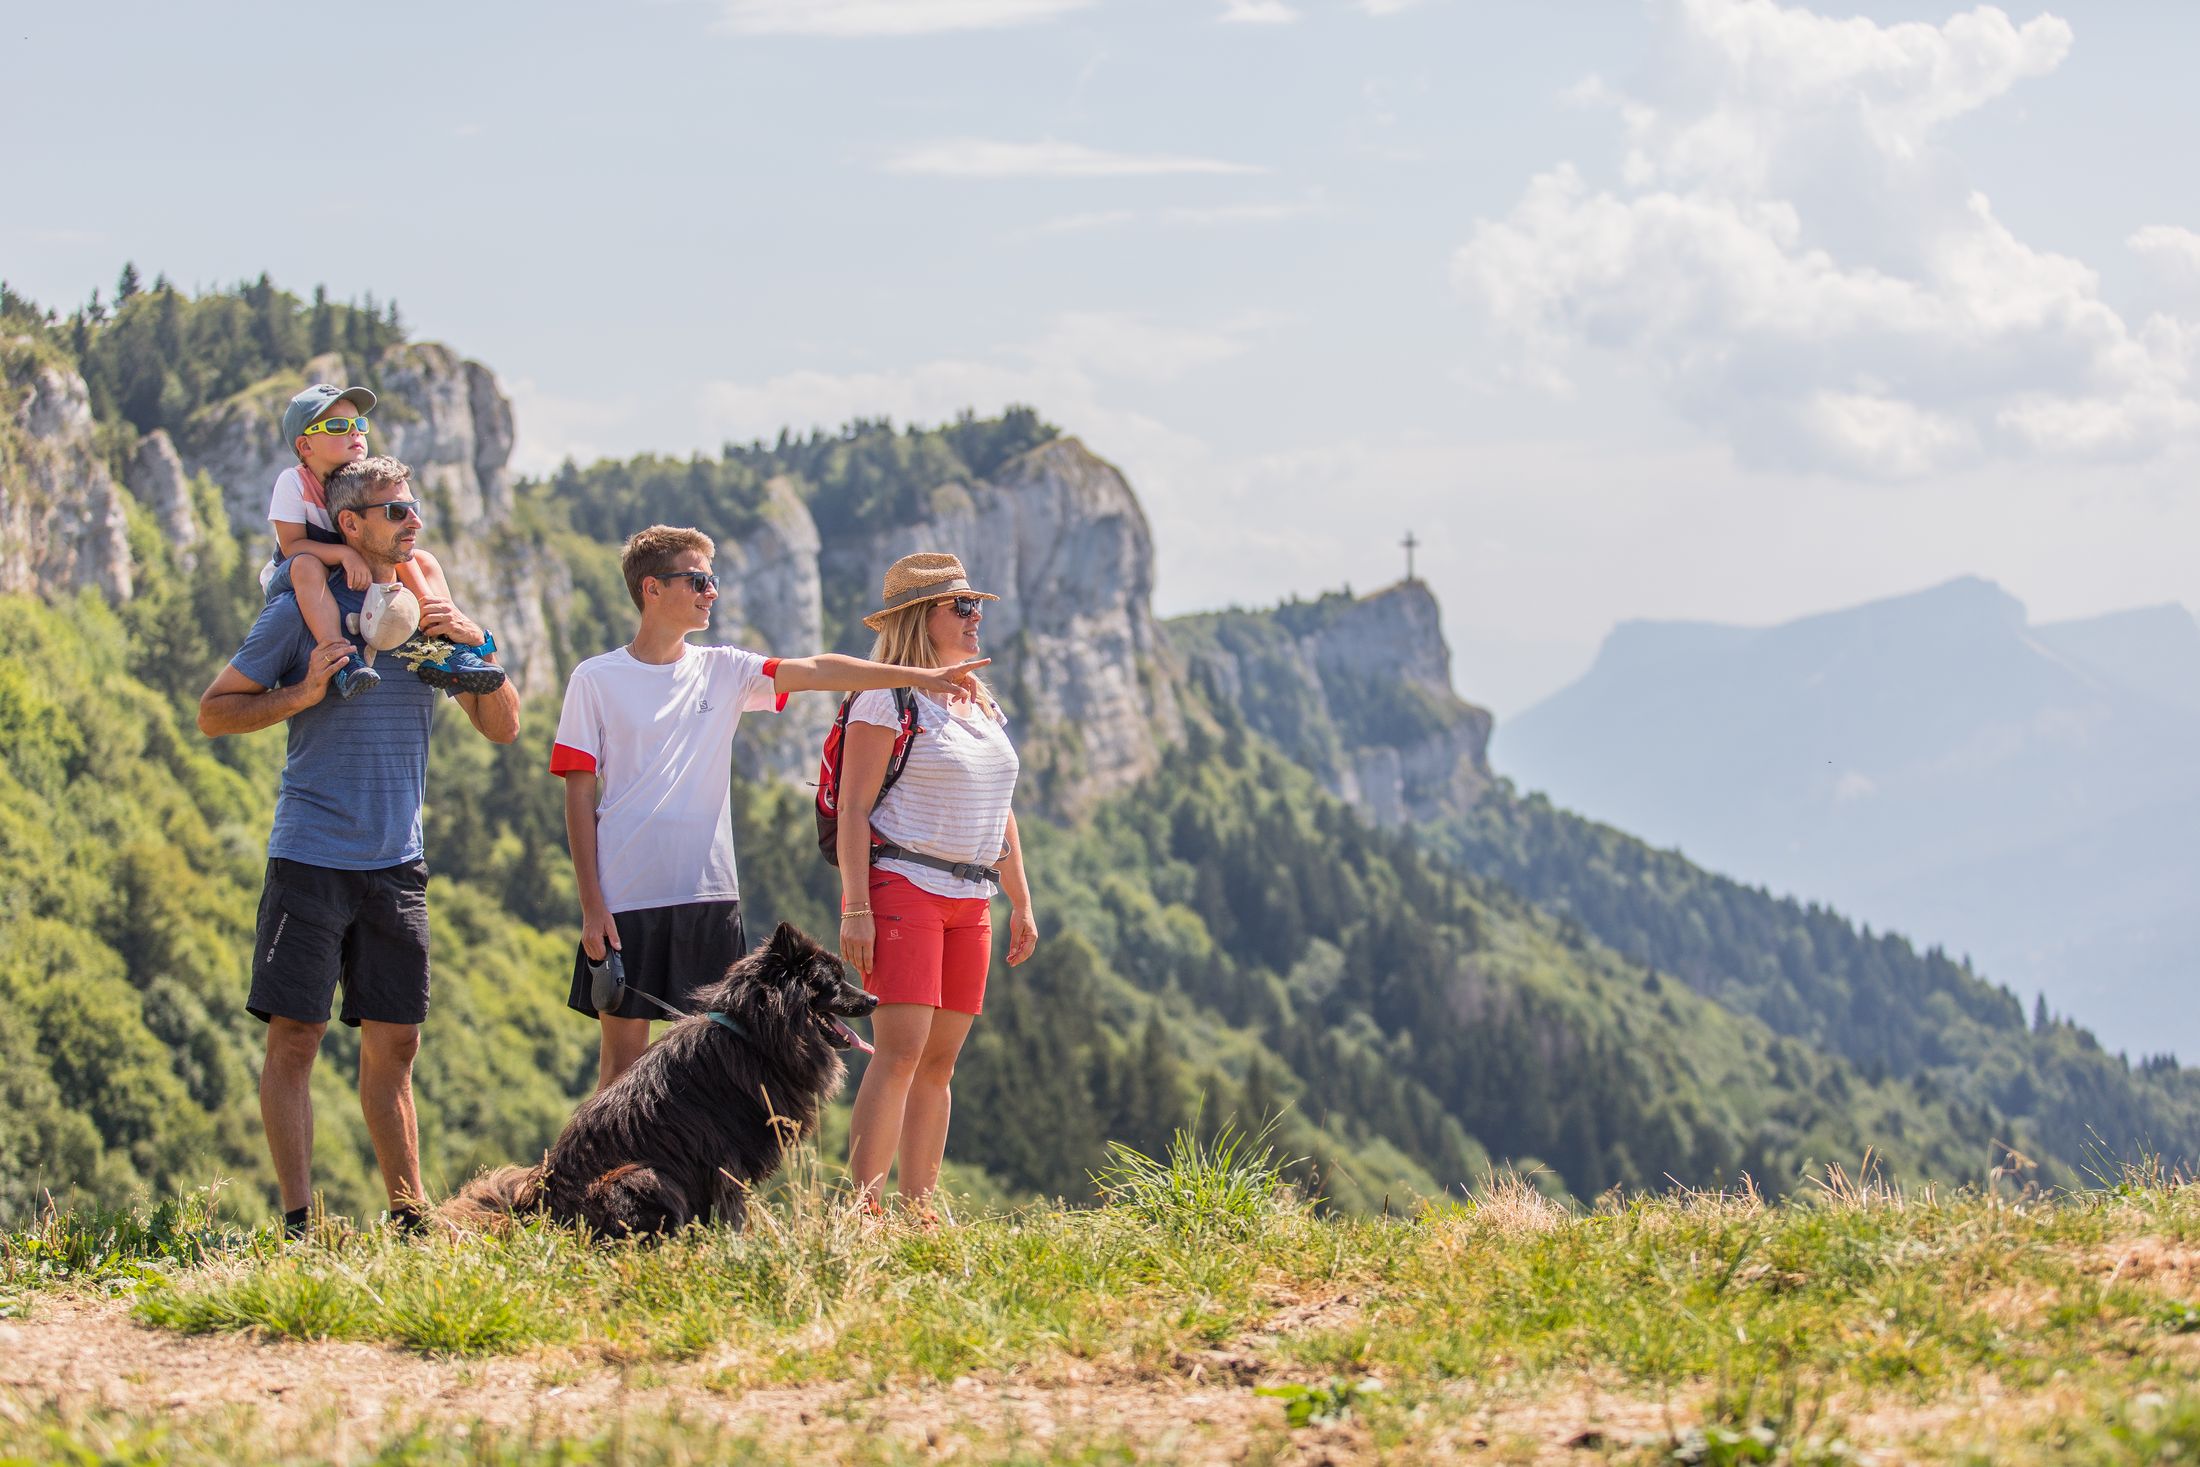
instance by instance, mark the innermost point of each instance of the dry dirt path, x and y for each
(77, 1357)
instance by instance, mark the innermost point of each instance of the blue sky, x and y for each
(1703, 308)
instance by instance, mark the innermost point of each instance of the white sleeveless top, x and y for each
(953, 797)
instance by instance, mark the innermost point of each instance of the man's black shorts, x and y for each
(319, 927)
(669, 953)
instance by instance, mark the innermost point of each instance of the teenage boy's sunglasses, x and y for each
(701, 580)
(394, 510)
(966, 607)
(335, 425)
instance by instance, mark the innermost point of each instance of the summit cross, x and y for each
(1409, 543)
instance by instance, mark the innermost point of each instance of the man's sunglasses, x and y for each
(336, 425)
(396, 511)
(966, 607)
(701, 580)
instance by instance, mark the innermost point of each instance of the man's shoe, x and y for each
(453, 668)
(355, 677)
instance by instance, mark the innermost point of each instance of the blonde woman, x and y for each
(919, 866)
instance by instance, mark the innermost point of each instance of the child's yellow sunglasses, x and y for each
(336, 425)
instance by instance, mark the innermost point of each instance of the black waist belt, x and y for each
(967, 870)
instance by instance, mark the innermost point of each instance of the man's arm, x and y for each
(597, 928)
(495, 715)
(234, 704)
(831, 672)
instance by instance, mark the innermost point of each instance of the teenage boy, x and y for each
(645, 746)
(346, 898)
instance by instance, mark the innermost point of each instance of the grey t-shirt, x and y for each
(357, 768)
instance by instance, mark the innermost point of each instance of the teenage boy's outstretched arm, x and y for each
(833, 673)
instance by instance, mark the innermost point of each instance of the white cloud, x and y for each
(1796, 261)
(1063, 371)
(1086, 222)
(1189, 216)
(1130, 347)
(2172, 250)
(1257, 12)
(858, 18)
(986, 158)
(1214, 216)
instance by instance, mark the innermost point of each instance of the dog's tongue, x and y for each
(855, 1040)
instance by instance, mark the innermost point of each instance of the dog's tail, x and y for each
(505, 1192)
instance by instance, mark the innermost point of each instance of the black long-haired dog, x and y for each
(705, 1112)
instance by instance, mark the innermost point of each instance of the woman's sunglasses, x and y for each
(336, 425)
(966, 607)
(701, 580)
(394, 510)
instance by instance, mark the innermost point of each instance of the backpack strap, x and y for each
(967, 870)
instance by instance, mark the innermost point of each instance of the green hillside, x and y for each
(1922, 1018)
(1224, 940)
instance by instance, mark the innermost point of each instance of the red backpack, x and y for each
(828, 768)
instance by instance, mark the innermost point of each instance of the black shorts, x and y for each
(319, 927)
(668, 953)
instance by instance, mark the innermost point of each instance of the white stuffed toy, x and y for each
(387, 620)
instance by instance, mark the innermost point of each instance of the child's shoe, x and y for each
(355, 676)
(446, 665)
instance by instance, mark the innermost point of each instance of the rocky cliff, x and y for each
(1357, 689)
(63, 524)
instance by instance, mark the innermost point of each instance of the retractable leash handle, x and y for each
(607, 980)
(607, 989)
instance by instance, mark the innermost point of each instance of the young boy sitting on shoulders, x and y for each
(327, 429)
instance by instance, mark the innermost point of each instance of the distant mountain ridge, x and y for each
(1933, 762)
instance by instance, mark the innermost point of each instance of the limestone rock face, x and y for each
(238, 444)
(1095, 688)
(446, 418)
(770, 601)
(62, 519)
(156, 480)
(1424, 752)
(1357, 690)
(1061, 538)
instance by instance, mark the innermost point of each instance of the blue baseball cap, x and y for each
(318, 399)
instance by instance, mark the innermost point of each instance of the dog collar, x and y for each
(726, 1022)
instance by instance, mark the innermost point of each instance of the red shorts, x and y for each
(931, 949)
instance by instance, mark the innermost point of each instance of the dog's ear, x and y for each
(788, 943)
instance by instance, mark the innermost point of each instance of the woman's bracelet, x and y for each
(848, 912)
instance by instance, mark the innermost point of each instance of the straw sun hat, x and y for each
(925, 576)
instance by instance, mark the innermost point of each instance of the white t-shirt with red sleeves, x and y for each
(289, 504)
(659, 738)
(953, 797)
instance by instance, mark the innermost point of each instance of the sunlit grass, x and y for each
(1759, 1332)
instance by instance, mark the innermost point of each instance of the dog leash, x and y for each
(724, 1021)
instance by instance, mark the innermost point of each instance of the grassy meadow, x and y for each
(1201, 1314)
